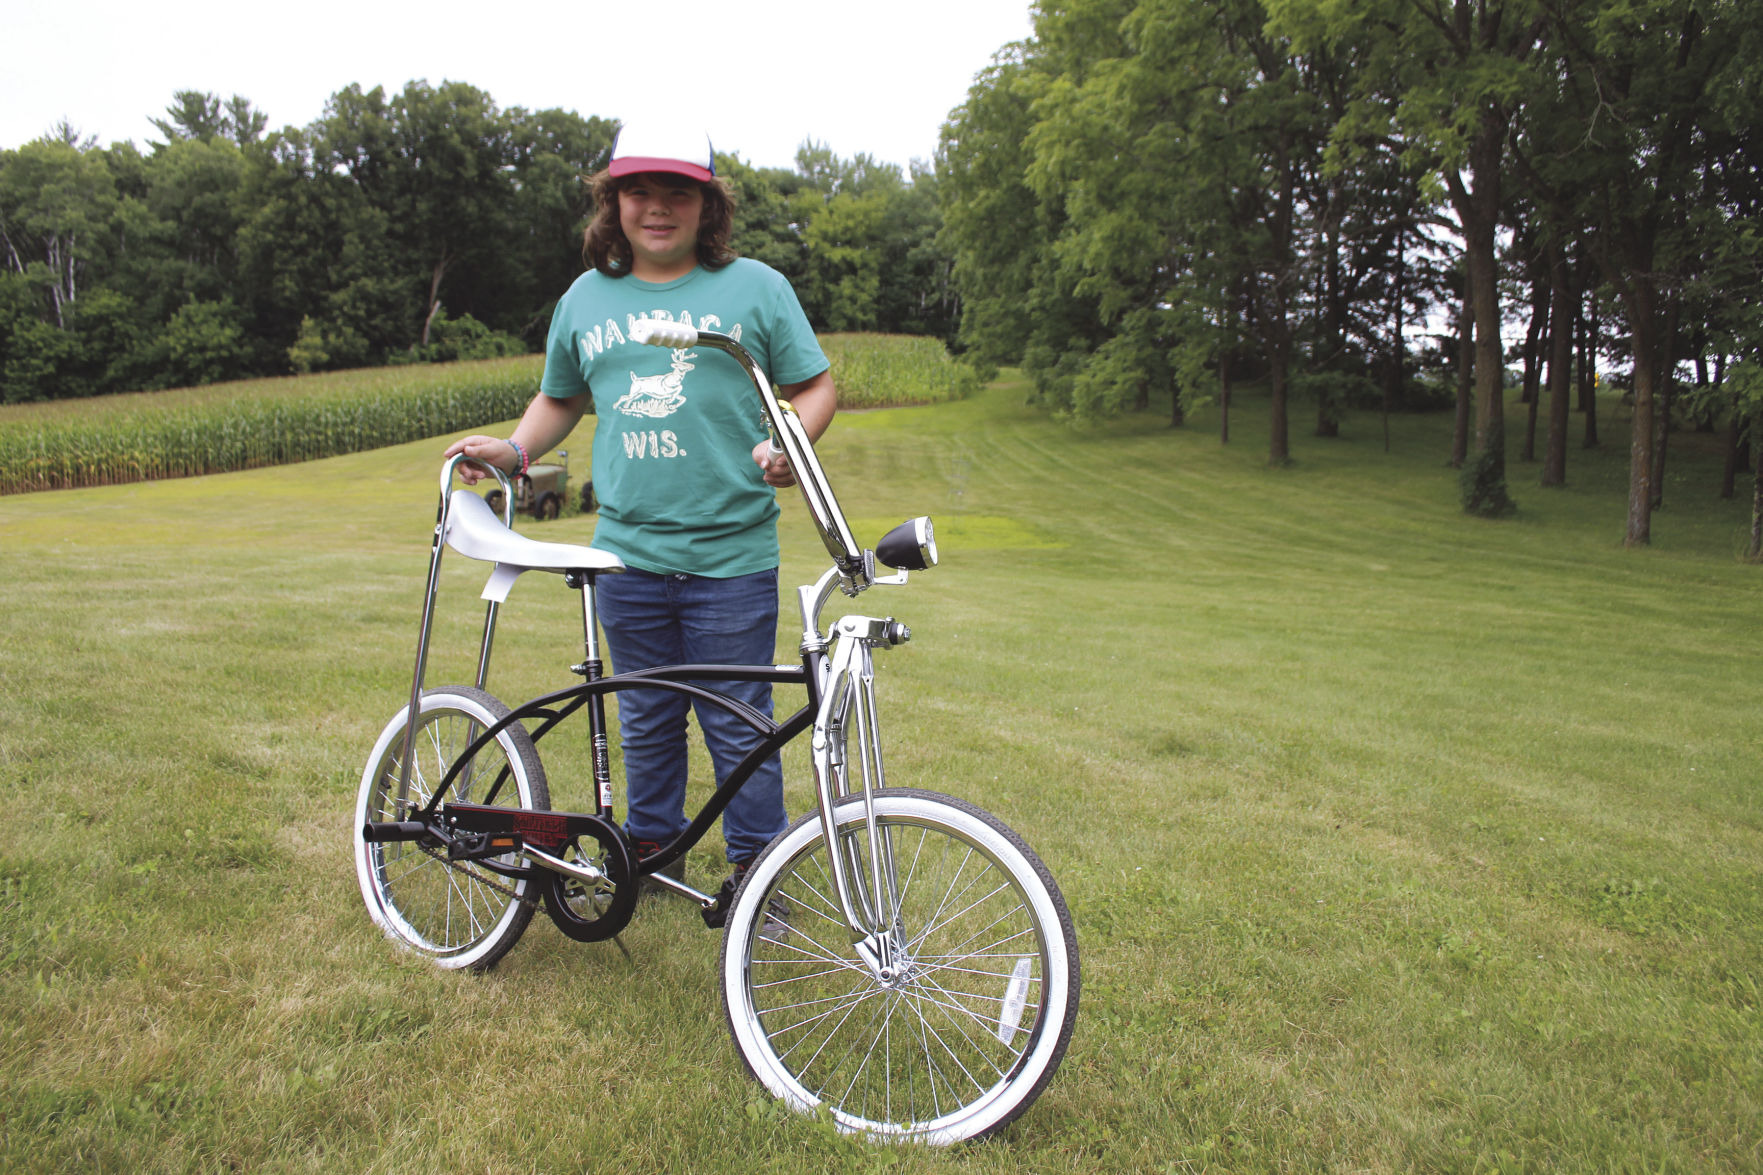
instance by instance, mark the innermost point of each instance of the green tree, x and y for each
(999, 228)
(1665, 88)
(434, 161)
(917, 293)
(869, 256)
(554, 154)
(195, 116)
(192, 202)
(313, 248)
(843, 271)
(1442, 81)
(1172, 155)
(57, 203)
(204, 342)
(765, 227)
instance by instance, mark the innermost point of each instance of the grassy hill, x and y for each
(1396, 840)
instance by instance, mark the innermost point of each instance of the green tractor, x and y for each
(541, 489)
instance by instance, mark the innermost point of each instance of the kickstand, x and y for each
(618, 942)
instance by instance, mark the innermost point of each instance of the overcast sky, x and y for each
(760, 75)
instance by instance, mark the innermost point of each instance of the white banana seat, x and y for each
(474, 530)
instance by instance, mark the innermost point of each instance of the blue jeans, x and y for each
(653, 620)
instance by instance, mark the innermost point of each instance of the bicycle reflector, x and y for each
(911, 546)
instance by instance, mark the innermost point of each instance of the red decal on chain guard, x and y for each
(544, 828)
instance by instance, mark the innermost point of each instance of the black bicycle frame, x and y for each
(553, 708)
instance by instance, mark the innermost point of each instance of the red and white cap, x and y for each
(643, 147)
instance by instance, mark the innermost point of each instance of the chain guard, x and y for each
(594, 913)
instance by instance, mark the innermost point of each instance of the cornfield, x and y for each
(252, 424)
(192, 431)
(887, 371)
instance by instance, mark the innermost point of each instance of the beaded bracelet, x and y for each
(520, 451)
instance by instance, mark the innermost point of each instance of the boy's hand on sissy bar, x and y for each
(487, 450)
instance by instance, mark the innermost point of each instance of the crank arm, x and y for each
(581, 872)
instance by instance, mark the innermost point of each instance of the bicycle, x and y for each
(897, 956)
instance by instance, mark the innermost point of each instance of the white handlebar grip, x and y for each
(658, 332)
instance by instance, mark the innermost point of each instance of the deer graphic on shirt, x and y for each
(656, 396)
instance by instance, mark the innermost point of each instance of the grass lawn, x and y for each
(1396, 840)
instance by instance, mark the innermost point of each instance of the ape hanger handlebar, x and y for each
(911, 546)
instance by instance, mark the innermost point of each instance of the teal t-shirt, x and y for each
(674, 430)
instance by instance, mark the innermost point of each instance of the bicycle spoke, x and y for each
(950, 1006)
(963, 954)
(845, 1003)
(859, 1000)
(947, 1050)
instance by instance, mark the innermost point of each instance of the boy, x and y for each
(681, 463)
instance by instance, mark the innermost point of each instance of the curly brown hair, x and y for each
(605, 247)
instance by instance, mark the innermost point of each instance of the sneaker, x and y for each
(777, 921)
(777, 911)
(716, 913)
(677, 870)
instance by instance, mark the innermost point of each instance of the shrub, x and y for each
(464, 337)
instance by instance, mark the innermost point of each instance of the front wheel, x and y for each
(458, 914)
(977, 1007)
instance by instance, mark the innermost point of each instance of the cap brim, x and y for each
(638, 164)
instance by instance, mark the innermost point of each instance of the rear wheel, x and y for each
(459, 915)
(976, 1007)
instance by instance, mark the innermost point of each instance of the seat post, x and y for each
(584, 580)
(593, 669)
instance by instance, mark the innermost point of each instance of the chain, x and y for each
(480, 878)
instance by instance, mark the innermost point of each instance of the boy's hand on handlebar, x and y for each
(776, 466)
(485, 451)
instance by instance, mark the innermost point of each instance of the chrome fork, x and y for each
(847, 756)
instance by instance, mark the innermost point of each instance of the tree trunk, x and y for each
(1279, 445)
(1736, 457)
(1533, 342)
(1661, 435)
(1756, 547)
(1465, 380)
(1393, 380)
(1224, 397)
(60, 256)
(1644, 326)
(1666, 389)
(1588, 372)
(434, 302)
(1561, 324)
(1490, 366)
(1478, 210)
(1334, 314)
